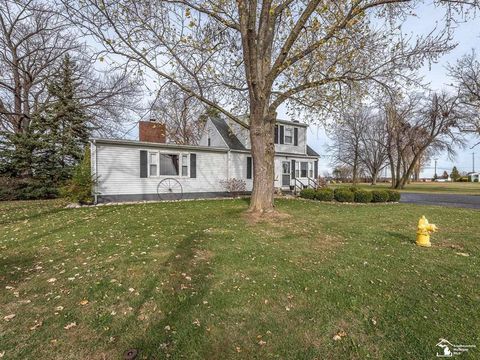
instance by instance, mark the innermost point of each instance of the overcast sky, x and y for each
(467, 35)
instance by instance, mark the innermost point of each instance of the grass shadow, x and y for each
(164, 337)
(400, 237)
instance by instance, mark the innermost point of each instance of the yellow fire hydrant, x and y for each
(424, 230)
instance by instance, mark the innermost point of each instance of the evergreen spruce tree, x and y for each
(43, 157)
(455, 175)
(65, 130)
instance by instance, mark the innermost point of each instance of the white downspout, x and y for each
(93, 159)
(228, 165)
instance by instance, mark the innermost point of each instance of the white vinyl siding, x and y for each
(291, 148)
(118, 171)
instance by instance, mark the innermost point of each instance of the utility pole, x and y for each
(435, 176)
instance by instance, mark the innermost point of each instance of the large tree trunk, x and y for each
(355, 170)
(263, 154)
(374, 177)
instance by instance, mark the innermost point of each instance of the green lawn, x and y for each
(467, 188)
(197, 280)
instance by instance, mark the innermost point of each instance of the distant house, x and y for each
(129, 170)
(474, 177)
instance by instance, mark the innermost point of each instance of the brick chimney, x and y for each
(152, 131)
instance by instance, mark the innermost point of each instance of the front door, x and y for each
(285, 173)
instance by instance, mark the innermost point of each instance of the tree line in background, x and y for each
(400, 132)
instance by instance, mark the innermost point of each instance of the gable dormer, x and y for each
(290, 137)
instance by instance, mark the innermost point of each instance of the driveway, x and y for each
(452, 200)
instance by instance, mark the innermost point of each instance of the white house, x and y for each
(474, 176)
(128, 170)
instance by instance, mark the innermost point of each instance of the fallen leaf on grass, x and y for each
(339, 335)
(261, 342)
(59, 308)
(2, 354)
(69, 326)
(51, 280)
(9, 317)
(462, 254)
(37, 325)
(84, 302)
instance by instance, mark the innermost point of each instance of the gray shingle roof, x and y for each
(311, 152)
(226, 132)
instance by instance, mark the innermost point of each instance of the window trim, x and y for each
(290, 129)
(149, 163)
(301, 170)
(180, 164)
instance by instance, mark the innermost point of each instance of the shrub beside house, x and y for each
(351, 195)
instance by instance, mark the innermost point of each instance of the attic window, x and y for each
(288, 135)
(209, 142)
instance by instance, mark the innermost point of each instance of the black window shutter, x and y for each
(193, 165)
(295, 136)
(282, 130)
(249, 167)
(315, 169)
(293, 169)
(276, 135)
(143, 164)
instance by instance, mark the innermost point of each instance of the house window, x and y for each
(310, 169)
(288, 135)
(303, 169)
(249, 167)
(184, 165)
(169, 164)
(209, 142)
(153, 163)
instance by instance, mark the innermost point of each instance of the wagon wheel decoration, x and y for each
(169, 189)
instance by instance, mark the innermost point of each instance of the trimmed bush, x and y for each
(363, 196)
(379, 196)
(353, 189)
(343, 195)
(307, 194)
(393, 196)
(324, 194)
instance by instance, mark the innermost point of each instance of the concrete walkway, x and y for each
(452, 200)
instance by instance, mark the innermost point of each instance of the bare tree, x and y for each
(255, 56)
(415, 127)
(373, 151)
(347, 137)
(183, 114)
(466, 76)
(33, 42)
